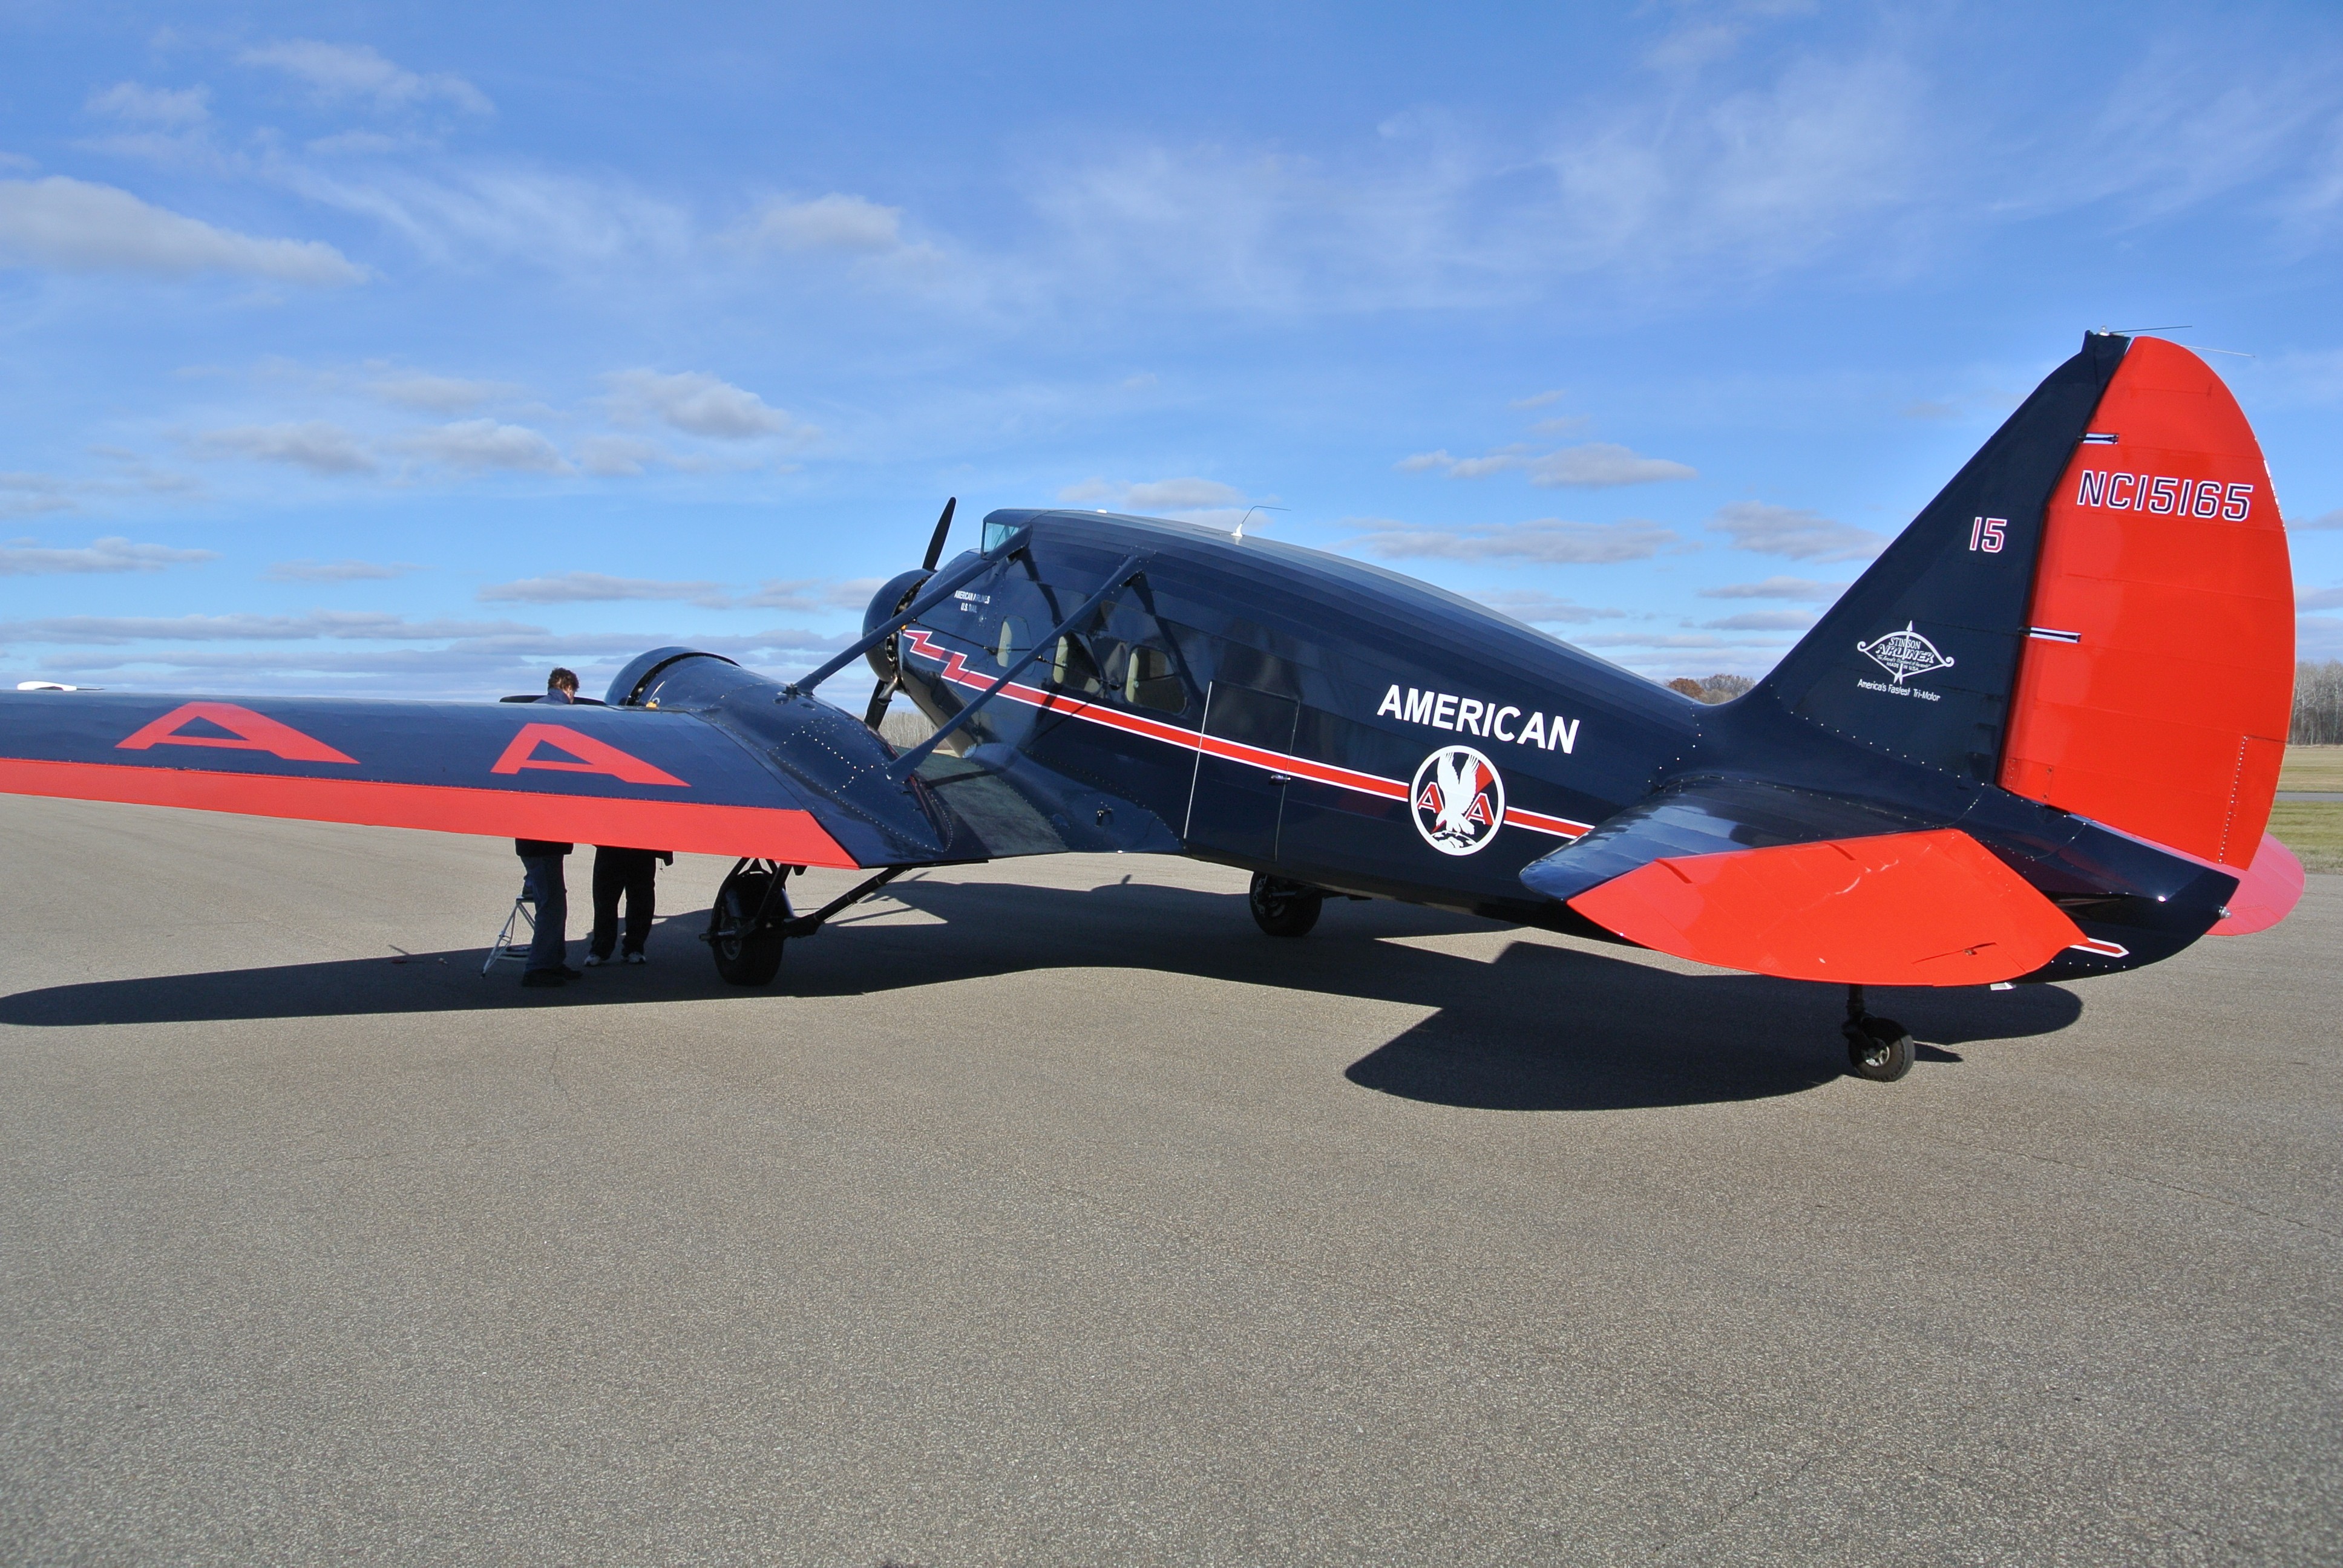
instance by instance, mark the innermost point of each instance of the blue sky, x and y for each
(410, 350)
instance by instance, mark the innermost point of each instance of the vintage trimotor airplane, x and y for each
(2037, 740)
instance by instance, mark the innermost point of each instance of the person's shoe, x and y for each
(595, 961)
(545, 978)
(636, 959)
(569, 973)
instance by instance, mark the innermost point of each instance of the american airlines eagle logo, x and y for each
(1460, 801)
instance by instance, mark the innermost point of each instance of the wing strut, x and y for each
(1131, 567)
(939, 589)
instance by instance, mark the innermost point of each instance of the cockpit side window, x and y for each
(1147, 681)
(1011, 644)
(1073, 669)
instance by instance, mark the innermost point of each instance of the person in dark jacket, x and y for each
(548, 950)
(634, 873)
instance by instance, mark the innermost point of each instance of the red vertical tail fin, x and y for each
(2154, 688)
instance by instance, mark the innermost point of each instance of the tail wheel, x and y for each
(744, 934)
(1878, 1048)
(1284, 909)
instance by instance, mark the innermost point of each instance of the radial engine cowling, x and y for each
(889, 602)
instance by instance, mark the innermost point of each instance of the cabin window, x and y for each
(1075, 669)
(1147, 681)
(1012, 646)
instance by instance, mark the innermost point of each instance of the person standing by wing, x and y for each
(549, 890)
(635, 874)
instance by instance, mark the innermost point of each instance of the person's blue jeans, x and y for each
(549, 949)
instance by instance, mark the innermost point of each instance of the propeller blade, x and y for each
(878, 700)
(943, 527)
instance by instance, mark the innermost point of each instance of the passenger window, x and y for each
(1012, 644)
(1147, 681)
(1073, 669)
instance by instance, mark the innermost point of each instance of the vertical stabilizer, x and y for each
(1919, 658)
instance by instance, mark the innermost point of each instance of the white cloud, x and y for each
(1804, 589)
(24, 558)
(348, 624)
(313, 444)
(337, 72)
(1482, 467)
(699, 404)
(812, 594)
(71, 225)
(307, 571)
(1547, 539)
(2318, 636)
(1764, 620)
(439, 394)
(29, 495)
(2333, 519)
(833, 222)
(619, 455)
(467, 213)
(1538, 400)
(176, 107)
(1193, 499)
(597, 587)
(2319, 598)
(478, 445)
(1789, 532)
(1544, 608)
(1600, 465)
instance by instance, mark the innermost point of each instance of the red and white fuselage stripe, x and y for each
(954, 671)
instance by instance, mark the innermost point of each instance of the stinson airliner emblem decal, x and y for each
(1905, 653)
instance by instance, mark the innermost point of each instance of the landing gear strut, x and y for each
(752, 919)
(1878, 1048)
(1284, 909)
(746, 930)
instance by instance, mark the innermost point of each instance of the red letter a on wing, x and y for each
(247, 731)
(593, 756)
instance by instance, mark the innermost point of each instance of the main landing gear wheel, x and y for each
(744, 930)
(1878, 1048)
(1284, 909)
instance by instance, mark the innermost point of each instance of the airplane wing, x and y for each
(805, 784)
(1805, 886)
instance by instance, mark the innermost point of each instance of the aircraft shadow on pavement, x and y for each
(1543, 1028)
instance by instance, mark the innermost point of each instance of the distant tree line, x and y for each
(1715, 688)
(2317, 704)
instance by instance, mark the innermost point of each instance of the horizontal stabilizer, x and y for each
(1932, 909)
(2265, 894)
(1706, 817)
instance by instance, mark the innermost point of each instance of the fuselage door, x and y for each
(1237, 799)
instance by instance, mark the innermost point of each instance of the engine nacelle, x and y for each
(889, 602)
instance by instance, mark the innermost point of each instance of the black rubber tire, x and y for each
(745, 956)
(1878, 1048)
(1284, 909)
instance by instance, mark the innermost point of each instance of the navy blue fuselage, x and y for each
(1281, 710)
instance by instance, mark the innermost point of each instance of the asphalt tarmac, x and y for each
(1046, 1212)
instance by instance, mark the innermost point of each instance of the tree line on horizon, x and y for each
(2317, 704)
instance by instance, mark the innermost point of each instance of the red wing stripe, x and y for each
(957, 673)
(788, 835)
